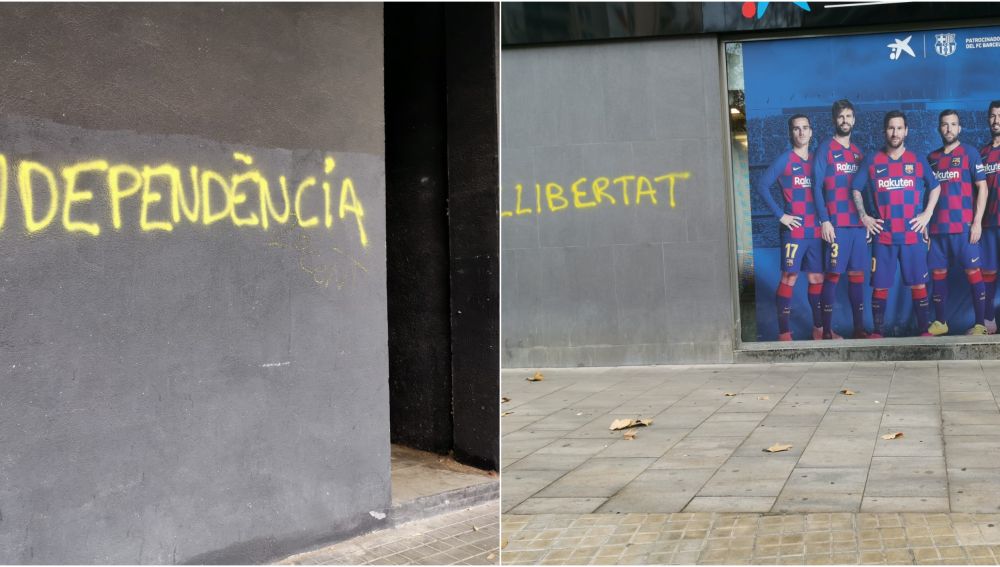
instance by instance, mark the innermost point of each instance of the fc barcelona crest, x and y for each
(944, 44)
(908, 169)
(956, 161)
(790, 262)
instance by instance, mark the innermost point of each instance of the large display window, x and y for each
(858, 162)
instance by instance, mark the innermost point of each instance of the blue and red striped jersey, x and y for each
(991, 167)
(898, 186)
(956, 171)
(833, 170)
(794, 175)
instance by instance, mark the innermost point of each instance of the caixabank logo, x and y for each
(756, 10)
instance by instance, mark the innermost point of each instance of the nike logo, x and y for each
(925, 274)
(976, 259)
(883, 170)
(838, 155)
(796, 168)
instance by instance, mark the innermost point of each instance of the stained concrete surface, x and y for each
(463, 537)
(419, 474)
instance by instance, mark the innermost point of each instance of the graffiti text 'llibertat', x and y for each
(167, 195)
(584, 193)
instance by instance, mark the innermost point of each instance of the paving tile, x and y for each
(838, 451)
(703, 452)
(800, 502)
(597, 478)
(750, 403)
(724, 429)
(565, 446)
(764, 437)
(827, 481)
(849, 423)
(972, 451)
(658, 491)
(543, 462)
(750, 476)
(905, 416)
(975, 490)
(794, 417)
(730, 504)
(651, 441)
(518, 486)
(565, 420)
(970, 418)
(558, 506)
(904, 504)
(514, 422)
(907, 476)
(915, 442)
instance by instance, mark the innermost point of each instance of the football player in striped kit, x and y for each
(957, 226)
(898, 181)
(800, 232)
(837, 161)
(990, 243)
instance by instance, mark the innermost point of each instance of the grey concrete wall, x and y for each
(595, 283)
(188, 389)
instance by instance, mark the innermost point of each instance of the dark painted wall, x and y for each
(441, 167)
(214, 393)
(417, 216)
(473, 167)
(627, 280)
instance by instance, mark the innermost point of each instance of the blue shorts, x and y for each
(801, 254)
(990, 247)
(912, 258)
(946, 248)
(849, 251)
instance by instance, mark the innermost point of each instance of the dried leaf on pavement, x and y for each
(627, 423)
(506, 413)
(504, 400)
(777, 447)
(491, 557)
(504, 543)
(536, 378)
(895, 435)
(847, 392)
(728, 394)
(630, 434)
(763, 397)
(474, 528)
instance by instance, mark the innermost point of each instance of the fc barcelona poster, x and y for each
(866, 184)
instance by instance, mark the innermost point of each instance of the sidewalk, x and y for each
(466, 537)
(702, 459)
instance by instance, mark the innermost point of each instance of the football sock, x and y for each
(940, 294)
(816, 302)
(922, 307)
(856, 294)
(829, 296)
(784, 303)
(879, 301)
(991, 290)
(978, 295)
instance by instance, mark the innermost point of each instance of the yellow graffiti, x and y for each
(165, 197)
(25, 172)
(4, 175)
(70, 175)
(631, 190)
